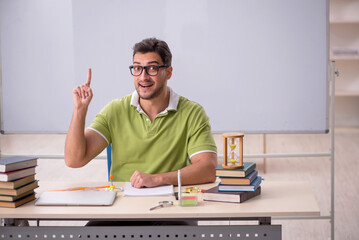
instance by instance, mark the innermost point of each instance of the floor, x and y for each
(316, 170)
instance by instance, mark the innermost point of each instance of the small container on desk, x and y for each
(188, 198)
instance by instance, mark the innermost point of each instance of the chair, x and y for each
(109, 160)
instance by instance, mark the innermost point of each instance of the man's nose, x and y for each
(143, 74)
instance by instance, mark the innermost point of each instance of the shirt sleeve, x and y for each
(101, 123)
(201, 138)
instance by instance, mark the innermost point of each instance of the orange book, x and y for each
(239, 180)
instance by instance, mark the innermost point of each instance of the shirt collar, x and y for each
(174, 99)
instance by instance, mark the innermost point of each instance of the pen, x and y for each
(79, 188)
(179, 185)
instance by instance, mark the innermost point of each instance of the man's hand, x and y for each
(202, 170)
(141, 179)
(82, 95)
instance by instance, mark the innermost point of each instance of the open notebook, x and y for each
(142, 192)
(76, 198)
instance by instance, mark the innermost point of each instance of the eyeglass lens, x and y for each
(151, 70)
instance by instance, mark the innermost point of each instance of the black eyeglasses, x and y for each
(151, 70)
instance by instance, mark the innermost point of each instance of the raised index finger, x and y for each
(88, 82)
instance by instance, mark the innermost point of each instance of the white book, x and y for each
(13, 163)
(9, 176)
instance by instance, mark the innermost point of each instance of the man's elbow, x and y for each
(211, 176)
(70, 162)
(214, 163)
(211, 166)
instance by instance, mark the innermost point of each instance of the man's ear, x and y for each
(169, 72)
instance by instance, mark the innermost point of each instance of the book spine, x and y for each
(250, 169)
(258, 181)
(253, 176)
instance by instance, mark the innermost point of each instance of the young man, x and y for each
(153, 132)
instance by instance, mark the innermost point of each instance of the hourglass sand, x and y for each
(235, 141)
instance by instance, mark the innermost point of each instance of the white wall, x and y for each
(255, 66)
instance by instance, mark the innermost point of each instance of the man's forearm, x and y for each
(202, 170)
(199, 172)
(75, 145)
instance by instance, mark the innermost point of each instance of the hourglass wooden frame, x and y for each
(232, 137)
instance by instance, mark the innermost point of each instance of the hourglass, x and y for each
(233, 141)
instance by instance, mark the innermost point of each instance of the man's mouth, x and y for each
(145, 85)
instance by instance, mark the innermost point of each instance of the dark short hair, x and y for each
(154, 45)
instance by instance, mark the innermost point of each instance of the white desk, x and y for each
(276, 199)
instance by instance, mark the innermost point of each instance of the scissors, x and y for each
(162, 204)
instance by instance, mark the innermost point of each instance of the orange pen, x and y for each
(80, 188)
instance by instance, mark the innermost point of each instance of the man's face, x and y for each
(150, 87)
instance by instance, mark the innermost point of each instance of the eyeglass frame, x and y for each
(145, 67)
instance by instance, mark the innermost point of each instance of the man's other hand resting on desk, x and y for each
(153, 131)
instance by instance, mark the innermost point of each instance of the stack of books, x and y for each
(17, 180)
(236, 185)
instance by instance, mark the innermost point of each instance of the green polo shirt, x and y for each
(164, 145)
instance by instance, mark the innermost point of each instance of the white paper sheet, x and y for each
(155, 191)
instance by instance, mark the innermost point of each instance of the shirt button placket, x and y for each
(149, 124)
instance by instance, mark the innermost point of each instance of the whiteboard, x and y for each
(256, 66)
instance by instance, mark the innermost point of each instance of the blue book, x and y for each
(241, 188)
